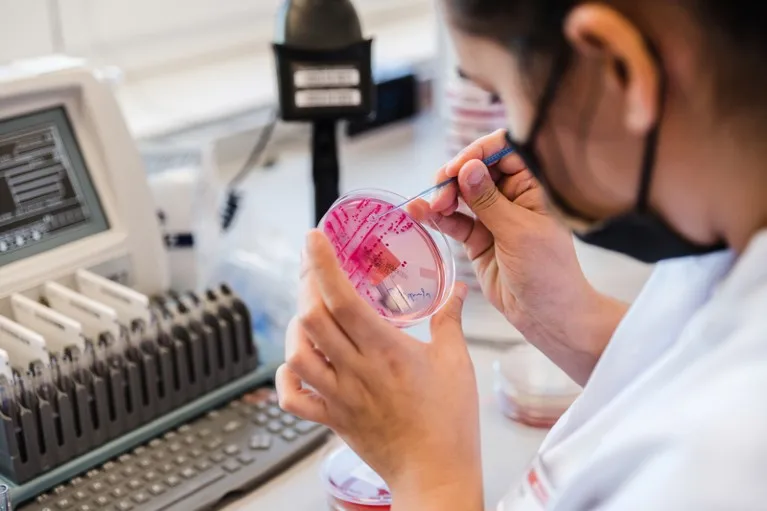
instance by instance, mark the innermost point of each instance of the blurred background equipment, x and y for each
(324, 74)
(117, 390)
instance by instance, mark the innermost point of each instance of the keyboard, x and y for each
(232, 448)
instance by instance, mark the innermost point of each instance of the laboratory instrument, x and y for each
(187, 202)
(352, 485)
(400, 266)
(235, 446)
(324, 75)
(530, 388)
(101, 364)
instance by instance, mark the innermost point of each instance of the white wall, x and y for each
(25, 29)
(147, 37)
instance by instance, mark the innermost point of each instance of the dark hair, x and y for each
(525, 26)
(734, 34)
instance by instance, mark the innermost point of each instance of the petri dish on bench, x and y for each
(530, 388)
(402, 266)
(352, 485)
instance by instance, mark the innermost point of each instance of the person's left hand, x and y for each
(408, 408)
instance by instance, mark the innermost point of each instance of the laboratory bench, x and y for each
(402, 159)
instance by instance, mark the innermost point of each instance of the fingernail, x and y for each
(476, 175)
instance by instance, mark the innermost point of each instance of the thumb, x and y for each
(482, 195)
(446, 324)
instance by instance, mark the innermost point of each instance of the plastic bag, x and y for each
(264, 272)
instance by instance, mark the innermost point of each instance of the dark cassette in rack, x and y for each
(56, 414)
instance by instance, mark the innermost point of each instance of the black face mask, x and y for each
(639, 233)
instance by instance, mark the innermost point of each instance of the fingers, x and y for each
(318, 324)
(307, 362)
(532, 197)
(476, 238)
(446, 324)
(421, 211)
(482, 195)
(355, 318)
(524, 191)
(445, 201)
(483, 148)
(295, 399)
(514, 186)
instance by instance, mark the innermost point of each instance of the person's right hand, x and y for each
(524, 259)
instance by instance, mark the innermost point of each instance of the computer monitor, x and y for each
(47, 197)
(73, 189)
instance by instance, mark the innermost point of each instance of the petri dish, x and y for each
(531, 389)
(402, 267)
(352, 485)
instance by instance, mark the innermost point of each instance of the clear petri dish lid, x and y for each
(349, 479)
(524, 369)
(402, 267)
(532, 389)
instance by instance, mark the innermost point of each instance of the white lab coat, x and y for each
(674, 417)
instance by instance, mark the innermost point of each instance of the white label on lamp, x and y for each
(323, 98)
(61, 332)
(326, 77)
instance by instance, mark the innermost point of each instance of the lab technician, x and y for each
(642, 128)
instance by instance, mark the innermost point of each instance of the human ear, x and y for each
(596, 30)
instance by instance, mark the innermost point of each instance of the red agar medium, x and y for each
(390, 257)
(352, 485)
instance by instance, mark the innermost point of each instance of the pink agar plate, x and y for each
(352, 485)
(403, 268)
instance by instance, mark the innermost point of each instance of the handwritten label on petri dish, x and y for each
(377, 260)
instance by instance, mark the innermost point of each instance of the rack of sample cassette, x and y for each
(90, 368)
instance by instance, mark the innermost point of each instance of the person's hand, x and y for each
(524, 259)
(408, 408)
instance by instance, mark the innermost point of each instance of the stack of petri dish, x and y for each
(401, 266)
(352, 485)
(531, 389)
(471, 113)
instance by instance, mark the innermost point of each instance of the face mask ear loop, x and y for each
(558, 72)
(651, 142)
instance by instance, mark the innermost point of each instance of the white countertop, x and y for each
(402, 159)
